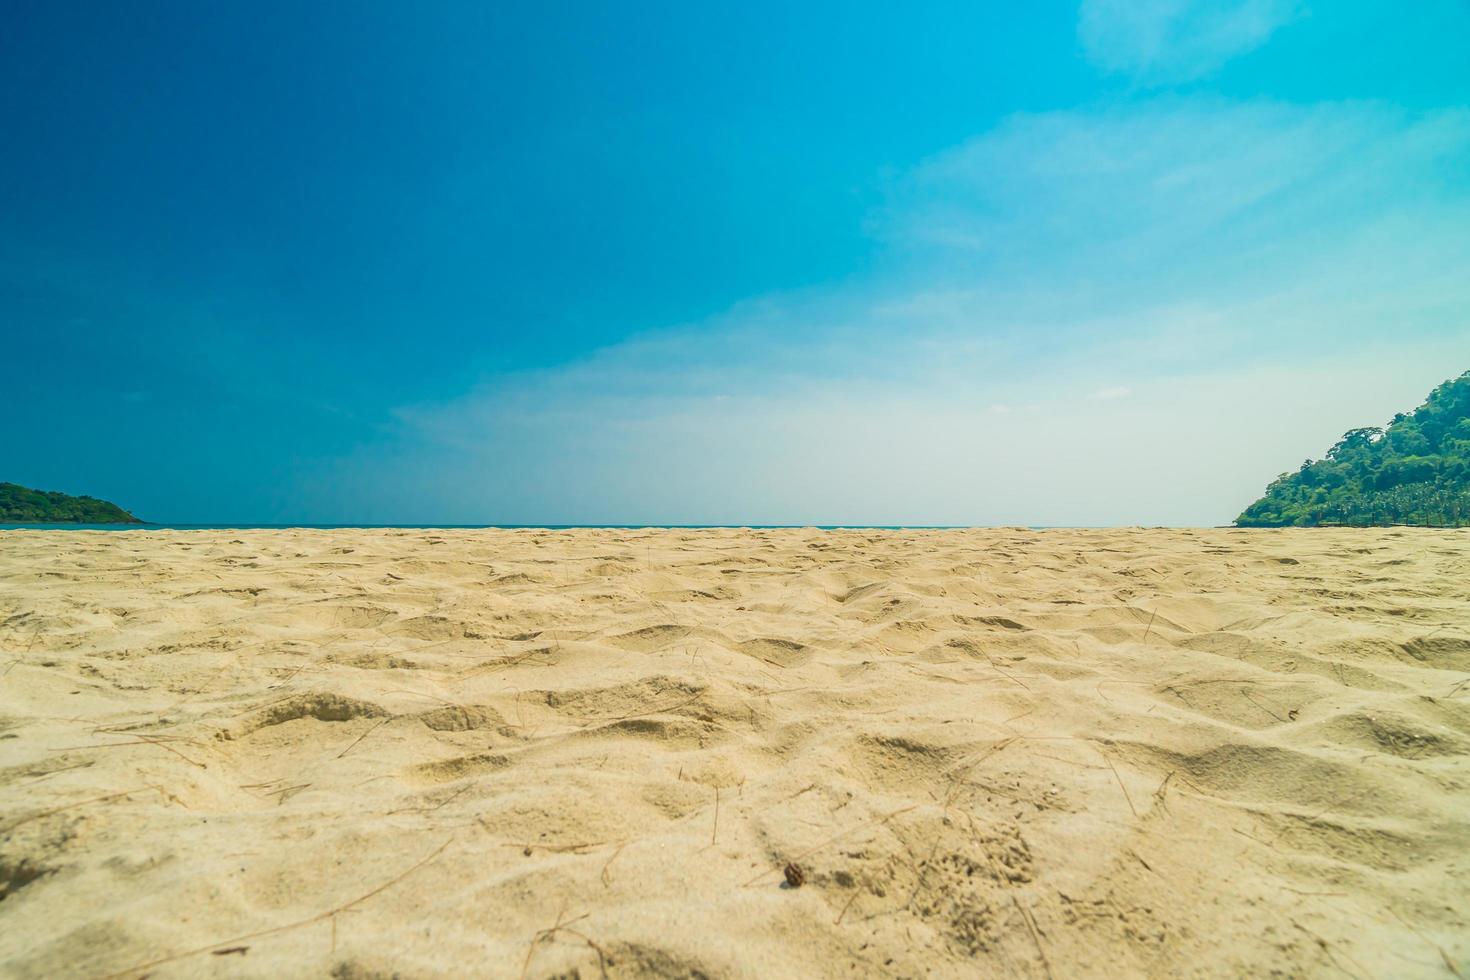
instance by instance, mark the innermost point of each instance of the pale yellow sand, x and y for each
(1064, 753)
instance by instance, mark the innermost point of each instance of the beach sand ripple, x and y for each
(588, 753)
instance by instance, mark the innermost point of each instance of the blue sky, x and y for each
(1116, 262)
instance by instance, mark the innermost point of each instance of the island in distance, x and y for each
(22, 505)
(1415, 471)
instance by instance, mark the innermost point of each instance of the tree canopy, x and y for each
(22, 505)
(1414, 471)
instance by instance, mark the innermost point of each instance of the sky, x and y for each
(1102, 263)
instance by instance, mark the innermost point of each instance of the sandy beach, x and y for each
(787, 753)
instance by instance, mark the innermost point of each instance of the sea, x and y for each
(473, 527)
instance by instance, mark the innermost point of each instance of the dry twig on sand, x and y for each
(562, 924)
(665, 709)
(237, 941)
(158, 740)
(1119, 778)
(606, 881)
(363, 736)
(832, 840)
(1035, 934)
(1449, 962)
(840, 915)
(72, 806)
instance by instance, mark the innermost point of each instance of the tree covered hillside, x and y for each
(1416, 471)
(22, 505)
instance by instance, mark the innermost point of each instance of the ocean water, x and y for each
(470, 527)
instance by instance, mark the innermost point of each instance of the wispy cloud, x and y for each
(1114, 184)
(1108, 394)
(1163, 41)
(1263, 275)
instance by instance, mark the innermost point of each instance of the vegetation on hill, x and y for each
(1415, 471)
(22, 505)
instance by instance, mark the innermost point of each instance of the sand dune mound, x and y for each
(735, 753)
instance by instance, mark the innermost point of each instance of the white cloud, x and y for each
(1142, 181)
(1161, 41)
(1191, 449)
(1265, 276)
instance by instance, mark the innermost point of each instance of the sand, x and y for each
(374, 753)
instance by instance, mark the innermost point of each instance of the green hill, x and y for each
(22, 505)
(1415, 471)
